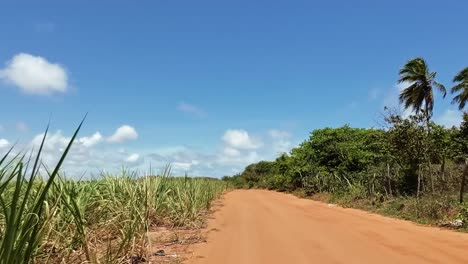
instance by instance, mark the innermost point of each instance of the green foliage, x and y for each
(463, 213)
(346, 150)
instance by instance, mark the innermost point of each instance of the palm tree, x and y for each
(461, 87)
(419, 95)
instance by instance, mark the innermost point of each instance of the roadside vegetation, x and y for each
(410, 167)
(46, 218)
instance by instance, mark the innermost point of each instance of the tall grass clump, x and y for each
(48, 218)
(26, 212)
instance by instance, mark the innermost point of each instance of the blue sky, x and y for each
(211, 85)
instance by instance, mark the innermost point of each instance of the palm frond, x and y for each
(461, 87)
(441, 88)
(419, 94)
(461, 100)
(458, 87)
(412, 97)
(462, 76)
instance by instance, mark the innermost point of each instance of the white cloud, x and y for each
(123, 134)
(84, 158)
(231, 152)
(55, 141)
(194, 162)
(450, 118)
(4, 143)
(53, 148)
(182, 160)
(88, 158)
(191, 109)
(238, 162)
(240, 139)
(183, 167)
(133, 158)
(35, 75)
(21, 127)
(239, 150)
(92, 140)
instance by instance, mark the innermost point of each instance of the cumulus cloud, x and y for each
(54, 141)
(122, 134)
(84, 158)
(238, 150)
(57, 142)
(92, 140)
(53, 148)
(35, 75)
(133, 158)
(87, 158)
(191, 109)
(240, 139)
(4, 143)
(450, 118)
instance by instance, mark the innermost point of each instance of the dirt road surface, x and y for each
(255, 226)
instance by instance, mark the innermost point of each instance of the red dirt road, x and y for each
(267, 227)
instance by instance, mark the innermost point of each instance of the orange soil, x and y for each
(256, 226)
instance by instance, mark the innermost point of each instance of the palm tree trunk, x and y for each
(431, 176)
(463, 181)
(427, 145)
(419, 183)
(442, 169)
(389, 180)
(417, 191)
(428, 116)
